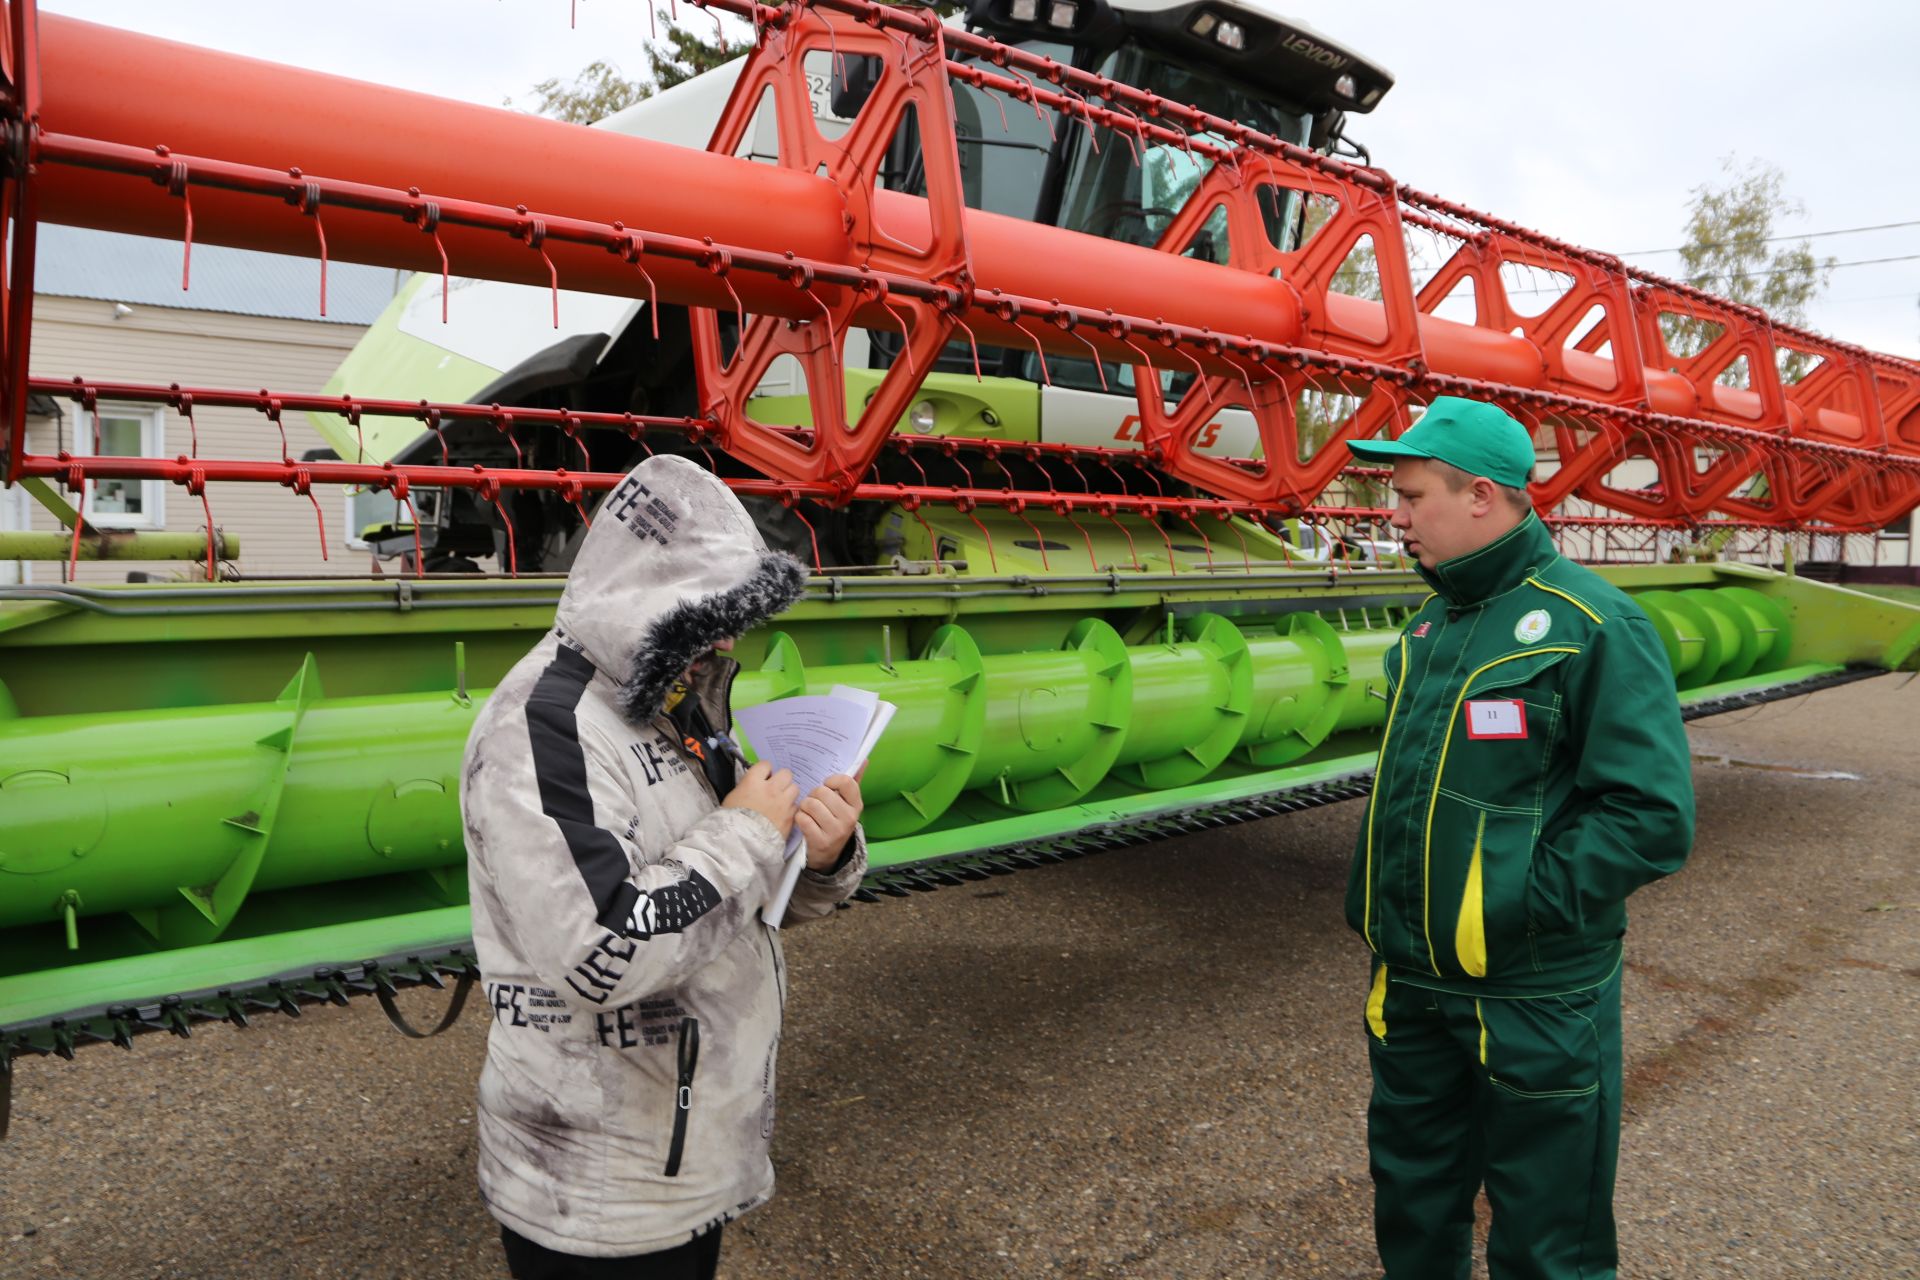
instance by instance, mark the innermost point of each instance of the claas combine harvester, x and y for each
(1039, 333)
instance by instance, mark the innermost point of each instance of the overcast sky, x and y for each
(1589, 122)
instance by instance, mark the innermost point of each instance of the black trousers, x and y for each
(697, 1259)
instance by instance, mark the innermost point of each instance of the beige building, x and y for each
(109, 308)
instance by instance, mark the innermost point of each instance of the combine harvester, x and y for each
(1040, 337)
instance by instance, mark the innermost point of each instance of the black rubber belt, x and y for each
(461, 987)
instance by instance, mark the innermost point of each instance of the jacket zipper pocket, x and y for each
(1373, 799)
(1470, 933)
(664, 724)
(1509, 681)
(779, 973)
(683, 1092)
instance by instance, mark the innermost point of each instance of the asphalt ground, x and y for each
(1148, 1063)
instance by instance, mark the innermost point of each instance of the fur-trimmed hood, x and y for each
(672, 564)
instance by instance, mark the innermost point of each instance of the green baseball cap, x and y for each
(1472, 435)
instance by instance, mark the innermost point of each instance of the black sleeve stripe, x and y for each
(617, 913)
(674, 908)
(560, 770)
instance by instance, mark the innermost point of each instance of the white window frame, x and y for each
(352, 539)
(153, 444)
(16, 516)
(426, 513)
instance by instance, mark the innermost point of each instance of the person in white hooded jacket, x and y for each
(617, 868)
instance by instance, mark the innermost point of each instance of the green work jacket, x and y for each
(1533, 773)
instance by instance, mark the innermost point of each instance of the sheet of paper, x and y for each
(866, 698)
(882, 716)
(815, 737)
(776, 909)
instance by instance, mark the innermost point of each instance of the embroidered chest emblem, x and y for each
(1534, 626)
(1420, 631)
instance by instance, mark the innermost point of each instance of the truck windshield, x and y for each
(1119, 193)
(1122, 191)
(1027, 161)
(1005, 144)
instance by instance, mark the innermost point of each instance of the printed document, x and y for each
(815, 737)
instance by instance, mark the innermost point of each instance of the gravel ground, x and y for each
(1147, 1064)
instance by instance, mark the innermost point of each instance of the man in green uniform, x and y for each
(1532, 774)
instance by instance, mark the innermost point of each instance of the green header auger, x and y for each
(210, 788)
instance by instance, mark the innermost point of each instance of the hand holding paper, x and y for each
(770, 793)
(827, 816)
(817, 738)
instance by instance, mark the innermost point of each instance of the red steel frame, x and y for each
(812, 248)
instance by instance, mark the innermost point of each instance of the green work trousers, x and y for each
(1522, 1095)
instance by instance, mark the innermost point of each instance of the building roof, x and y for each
(78, 262)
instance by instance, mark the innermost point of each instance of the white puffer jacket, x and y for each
(628, 1096)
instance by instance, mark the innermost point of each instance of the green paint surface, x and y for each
(238, 779)
(388, 364)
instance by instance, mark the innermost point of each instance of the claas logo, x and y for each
(1205, 438)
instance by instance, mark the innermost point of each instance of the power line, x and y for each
(1785, 271)
(1910, 294)
(1430, 272)
(1739, 275)
(1805, 235)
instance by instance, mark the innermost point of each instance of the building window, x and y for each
(127, 431)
